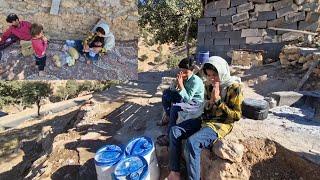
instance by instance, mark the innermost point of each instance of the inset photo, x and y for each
(61, 40)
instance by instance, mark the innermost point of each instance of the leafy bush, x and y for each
(173, 61)
(10, 92)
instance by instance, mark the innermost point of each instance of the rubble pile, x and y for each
(300, 57)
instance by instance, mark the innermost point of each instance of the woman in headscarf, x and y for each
(223, 107)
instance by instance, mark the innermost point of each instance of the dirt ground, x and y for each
(118, 64)
(263, 155)
(151, 52)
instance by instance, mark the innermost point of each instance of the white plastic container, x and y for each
(106, 159)
(144, 146)
(131, 168)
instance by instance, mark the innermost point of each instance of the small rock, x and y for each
(90, 136)
(272, 102)
(229, 150)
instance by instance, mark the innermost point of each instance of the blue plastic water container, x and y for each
(203, 56)
(108, 155)
(144, 147)
(131, 168)
(106, 159)
(141, 146)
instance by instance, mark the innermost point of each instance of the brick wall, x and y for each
(243, 24)
(76, 16)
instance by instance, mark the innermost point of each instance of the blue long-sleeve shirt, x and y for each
(193, 89)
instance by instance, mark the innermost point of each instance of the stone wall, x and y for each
(75, 17)
(243, 24)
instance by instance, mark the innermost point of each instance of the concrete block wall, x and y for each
(243, 24)
(76, 17)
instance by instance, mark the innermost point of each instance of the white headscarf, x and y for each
(108, 37)
(226, 79)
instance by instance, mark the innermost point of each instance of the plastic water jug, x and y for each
(203, 57)
(144, 146)
(131, 168)
(106, 159)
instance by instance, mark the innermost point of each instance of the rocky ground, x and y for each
(119, 64)
(284, 146)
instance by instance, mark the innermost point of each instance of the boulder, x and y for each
(220, 169)
(228, 150)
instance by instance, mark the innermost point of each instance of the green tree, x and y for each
(72, 88)
(34, 92)
(170, 21)
(86, 86)
(10, 92)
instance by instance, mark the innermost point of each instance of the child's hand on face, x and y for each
(85, 48)
(179, 79)
(215, 94)
(45, 38)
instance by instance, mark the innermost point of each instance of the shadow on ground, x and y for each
(29, 141)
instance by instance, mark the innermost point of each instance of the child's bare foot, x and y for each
(174, 176)
(42, 73)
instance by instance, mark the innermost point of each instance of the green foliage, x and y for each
(72, 88)
(86, 86)
(28, 93)
(33, 92)
(173, 61)
(60, 95)
(167, 20)
(10, 92)
(104, 85)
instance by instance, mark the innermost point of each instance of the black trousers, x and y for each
(5, 44)
(41, 62)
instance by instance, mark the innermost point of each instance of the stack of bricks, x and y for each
(243, 24)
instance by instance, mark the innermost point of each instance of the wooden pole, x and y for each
(293, 30)
(306, 76)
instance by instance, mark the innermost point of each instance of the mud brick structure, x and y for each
(243, 24)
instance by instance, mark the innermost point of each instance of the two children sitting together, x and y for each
(218, 99)
(92, 47)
